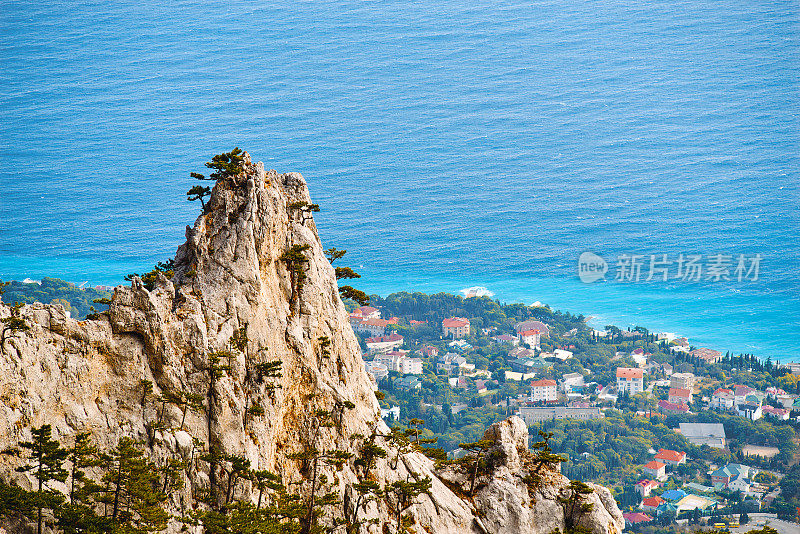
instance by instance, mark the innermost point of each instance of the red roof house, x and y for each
(671, 457)
(644, 487)
(671, 407)
(651, 503)
(655, 469)
(455, 327)
(680, 396)
(636, 517)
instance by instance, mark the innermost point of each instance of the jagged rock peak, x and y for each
(230, 274)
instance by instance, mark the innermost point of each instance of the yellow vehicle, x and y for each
(733, 525)
(720, 525)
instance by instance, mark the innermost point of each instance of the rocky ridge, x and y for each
(89, 376)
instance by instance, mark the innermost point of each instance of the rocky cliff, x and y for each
(93, 375)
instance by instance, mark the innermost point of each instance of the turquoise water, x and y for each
(450, 144)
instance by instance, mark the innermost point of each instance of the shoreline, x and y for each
(559, 296)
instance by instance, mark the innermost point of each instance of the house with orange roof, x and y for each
(429, 351)
(722, 399)
(651, 503)
(632, 518)
(366, 312)
(630, 379)
(526, 326)
(455, 327)
(671, 407)
(530, 337)
(656, 470)
(544, 390)
(680, 396)
(644, 487)
(670, 457)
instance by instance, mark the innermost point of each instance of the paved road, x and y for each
(758, 520)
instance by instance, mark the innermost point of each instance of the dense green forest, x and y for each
(54, 291)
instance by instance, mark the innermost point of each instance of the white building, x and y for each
(722, 399)
(384, 343)
(630, 379)
(373, 327)
(377, 370)
(393, 412)
(532, 338)
(411, 366)
(544, 390)
(366, 312)
(400, 362)
(562, 355)
(571, 382)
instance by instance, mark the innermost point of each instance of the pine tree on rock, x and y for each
(47, 459)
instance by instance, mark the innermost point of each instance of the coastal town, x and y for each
(723, 426)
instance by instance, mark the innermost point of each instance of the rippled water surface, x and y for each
(450, 144)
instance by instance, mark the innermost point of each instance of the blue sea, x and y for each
(450, 144)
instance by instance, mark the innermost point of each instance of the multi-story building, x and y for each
(644, 487)
(455, 327)
(532, 338)
(544, 390)
(722, 399)
(378, 370)
(366, 312)
(400, 362)
(777, 413)
(373, 327)
(725, 475)
(384, 343)
(682, 381)
(411, 366)
(656, 470)
(630, 380)
(533, 415)
(680, 396)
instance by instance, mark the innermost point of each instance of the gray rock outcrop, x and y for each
(93, 375)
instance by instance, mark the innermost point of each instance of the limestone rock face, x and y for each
(93, 375)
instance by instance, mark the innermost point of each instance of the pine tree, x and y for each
(47, 456)
(346, 292)
(79, 515)
(367, 491)
(134, 491)
(368, 455)
(575, 506)
(403, 494)
(12, 325)
(313, 459)
(295, 260)
(198, 192)
(473, 461)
